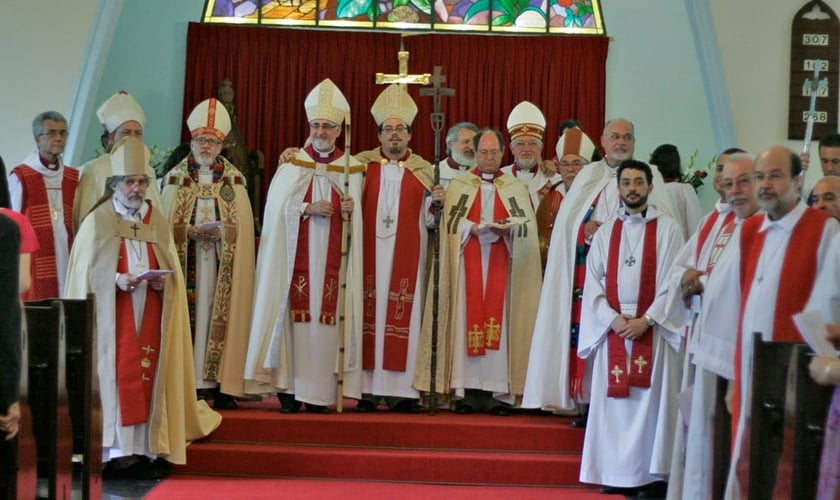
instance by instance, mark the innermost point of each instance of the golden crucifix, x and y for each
(402, 78)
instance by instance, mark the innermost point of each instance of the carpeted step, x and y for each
(383, 464)
(518, 432)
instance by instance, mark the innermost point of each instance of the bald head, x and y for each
(826, 195)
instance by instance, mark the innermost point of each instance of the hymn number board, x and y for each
(815, 41)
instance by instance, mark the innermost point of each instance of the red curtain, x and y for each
(273, 69)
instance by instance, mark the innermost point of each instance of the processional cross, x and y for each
(436, 91)
(402, 78)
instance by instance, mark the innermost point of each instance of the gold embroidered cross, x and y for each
(641, 362)
(617, 372)
(475, 339)
(494, 331)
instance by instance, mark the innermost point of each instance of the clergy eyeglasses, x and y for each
(54, 133)
(323, 126)
(201, 141)
(742, 182)
(489, 152)
(616, 136)
(399, 128)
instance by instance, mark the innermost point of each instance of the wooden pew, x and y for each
(48, 395)
(722, 447)
(83, 391)
(788, 414)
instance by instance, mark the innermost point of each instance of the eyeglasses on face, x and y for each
(201, 141)
(323, 126)
(399, 128)
(54, 133)
(489, 152)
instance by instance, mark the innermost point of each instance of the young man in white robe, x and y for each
(634, 350)
(705, 301)
(396, 207)
(490, 279)
(295, 330)
(592, 201)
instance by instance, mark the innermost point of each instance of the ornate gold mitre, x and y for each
(394, 102)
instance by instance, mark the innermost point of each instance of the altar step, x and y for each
(525, 448)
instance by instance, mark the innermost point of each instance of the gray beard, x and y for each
(463, 160)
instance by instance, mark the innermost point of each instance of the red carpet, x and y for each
(194, 487)
(257, 440)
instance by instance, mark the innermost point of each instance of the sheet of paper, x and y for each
(153, 273)
(812, 328)
(509, 222)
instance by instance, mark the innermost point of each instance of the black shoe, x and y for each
(500, 410)
(365, 406)
(407, 406)
(118, 468)
(578, 423)
(222, 401)
(288, 403)
(615, 490)
(658, 489)
(204, 394)
(310, 408)
(463, 409)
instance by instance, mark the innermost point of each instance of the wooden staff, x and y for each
(342, 273)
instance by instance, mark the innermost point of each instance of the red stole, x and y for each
(299, 297)
(706, 229)
(799, 270)
(485, 301)
(403, 272)
(137, 355)
(36, 207)
(641, 353)
(577, 366)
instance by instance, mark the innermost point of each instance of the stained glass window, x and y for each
(582, 17)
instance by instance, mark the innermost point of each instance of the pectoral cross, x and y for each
(402, 78)
(640, 362)
(388, 220)
(629, 261)
(617, 372)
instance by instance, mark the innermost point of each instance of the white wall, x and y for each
(41, 48)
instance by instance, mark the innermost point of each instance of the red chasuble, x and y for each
(641, 354)
(485, 301)
(799, 270)
(403, 271)
(36, 207)
(137, 352)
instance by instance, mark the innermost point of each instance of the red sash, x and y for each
(485, 306)
(577, 366)
(641, 353)
(403, 272)
(36, 207)
(137, 355)
(707, 229)
(299, 297)
(799, 270)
